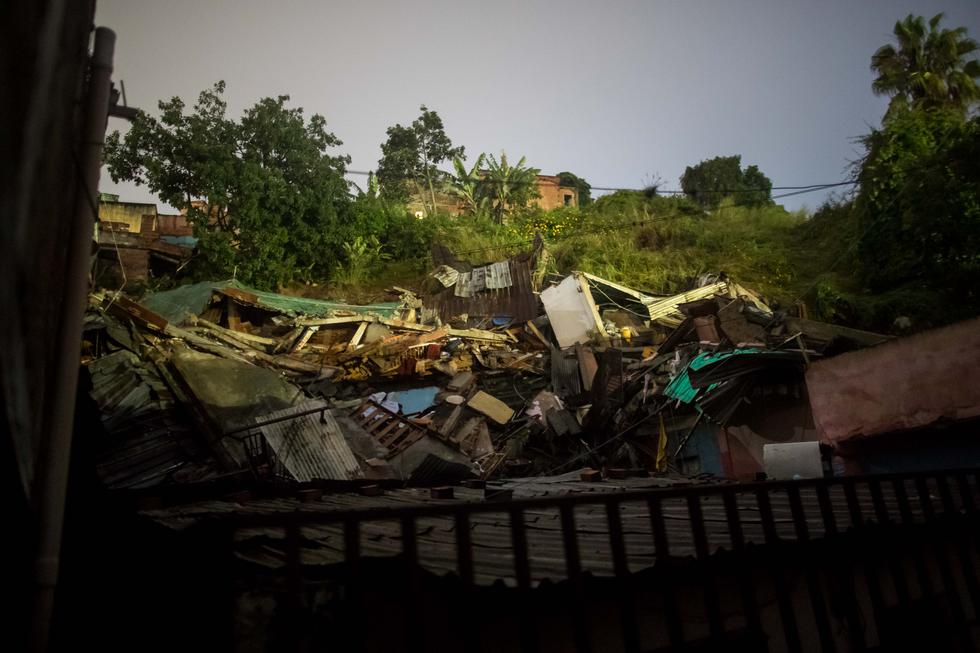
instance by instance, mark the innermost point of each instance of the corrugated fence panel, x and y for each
(310, 448)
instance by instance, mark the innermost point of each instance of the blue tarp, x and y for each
(415, 400)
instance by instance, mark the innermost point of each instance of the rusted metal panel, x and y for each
(127, 309)
(519, 299)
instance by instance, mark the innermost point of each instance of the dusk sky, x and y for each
(620, 93)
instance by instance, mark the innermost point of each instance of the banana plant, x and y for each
(469, 186)
(509, 186)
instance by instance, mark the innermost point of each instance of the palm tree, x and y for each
(928, 68)
(508, 186)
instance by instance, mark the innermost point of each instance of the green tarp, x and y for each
(193, 299)
(680, 387)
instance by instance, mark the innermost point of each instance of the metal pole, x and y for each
(57, 434)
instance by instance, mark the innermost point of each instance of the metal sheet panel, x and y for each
(516, 295)
(311, 447)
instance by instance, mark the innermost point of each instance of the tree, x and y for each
(710, 181)
(583, 187)
(508, 186)
(928, 69)
(411, 155)
(919, 204)
(267, 201)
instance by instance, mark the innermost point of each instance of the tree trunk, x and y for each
(421, 194)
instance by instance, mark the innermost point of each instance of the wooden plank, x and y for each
(358, 336)
(587, 365)
(490, 406)
(332, 321)
(537, 334)
(234, 320)
(481, 334)
(127, 309)
(242, 336)
(395, 323)
(825, 332)
(305, 338)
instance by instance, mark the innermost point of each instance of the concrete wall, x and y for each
(126, 213)
(174, 225)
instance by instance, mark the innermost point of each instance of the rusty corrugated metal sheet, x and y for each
(520, 300)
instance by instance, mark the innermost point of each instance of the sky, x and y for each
(620, 93)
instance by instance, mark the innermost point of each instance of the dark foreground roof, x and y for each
(490, 532)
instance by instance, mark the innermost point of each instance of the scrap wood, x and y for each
(125, 308)
(482, 334)
(402, 343)
(395, 323)
(333, 321)
(285, 342)
(490, 463)
(521, 362)
(461, 382)
(247, 338)
(248, 354)
(303, 339)
(587, 365)
(490, 406)
(358, 336)
(537, 334)
(199, 342)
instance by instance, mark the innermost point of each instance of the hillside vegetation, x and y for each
(662, 245)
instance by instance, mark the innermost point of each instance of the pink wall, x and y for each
(902, 384)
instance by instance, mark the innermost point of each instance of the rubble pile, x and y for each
(490, 371)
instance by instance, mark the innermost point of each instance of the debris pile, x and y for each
(489, 371)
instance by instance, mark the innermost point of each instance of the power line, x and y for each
(664, 191)
(631, 224)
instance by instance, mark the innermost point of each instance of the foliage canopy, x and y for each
(583, 187)
(410, 158)
(711, 181)
(268, 203)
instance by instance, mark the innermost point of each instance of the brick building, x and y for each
(553, 194)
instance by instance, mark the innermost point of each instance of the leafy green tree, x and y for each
(710, 181)
(927, 68)
(267, 201)
(509, 187)
(411, 155)
(919, 204)
(583, 187)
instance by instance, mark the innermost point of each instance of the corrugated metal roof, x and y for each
(518, 298)
(491, 536)
(148, 439)
(310, 446)
(664, 310)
